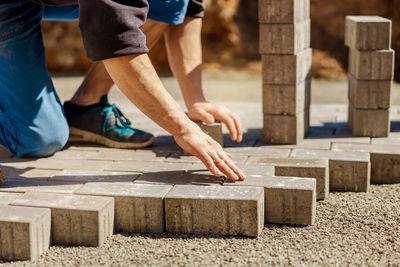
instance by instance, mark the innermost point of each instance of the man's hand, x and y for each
(199, 144)
(208, 113)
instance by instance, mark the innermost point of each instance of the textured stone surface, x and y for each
(368, 32)
(308, 168)
(215, 210)
(7, 197)
(22, 186)
(364, 94)
(283, 11)
(371, 65)
(24, 232)
(385, 160)
(260, 150)
(1, 176)
(138, 207)
(284, 129)
(286, 99)
(94, 176)
(214, 130)
(75, 220)
(348, 171)
(285, 39)
(286, 69)
(369, 122)
(288, 200)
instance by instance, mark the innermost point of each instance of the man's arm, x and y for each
(185, 57)
(137, 79)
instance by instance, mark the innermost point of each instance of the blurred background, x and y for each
(230, 38)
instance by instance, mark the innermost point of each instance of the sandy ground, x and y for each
(359, 229)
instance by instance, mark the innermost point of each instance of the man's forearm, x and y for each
(185, 57)
(137, 79)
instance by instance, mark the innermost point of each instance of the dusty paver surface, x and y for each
(351, 228)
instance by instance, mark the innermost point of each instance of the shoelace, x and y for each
(124, 121)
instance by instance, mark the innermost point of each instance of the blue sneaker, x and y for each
(103, 123)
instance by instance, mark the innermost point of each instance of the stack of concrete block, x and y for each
(371, 65)
(286, 61)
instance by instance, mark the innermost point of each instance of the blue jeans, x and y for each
(32, 120)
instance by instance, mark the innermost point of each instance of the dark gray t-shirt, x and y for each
(111, 28)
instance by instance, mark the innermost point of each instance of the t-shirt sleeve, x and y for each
(111, 28)
(195, 8)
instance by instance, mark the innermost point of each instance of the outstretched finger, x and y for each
(208, 161)
(229, 163)
(238, 125)
(230, 124)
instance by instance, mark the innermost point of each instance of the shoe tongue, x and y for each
(104, 101)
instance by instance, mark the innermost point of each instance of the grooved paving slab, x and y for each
(364, 94)
(369, 122)
(286, 99)
(215, 210)
(24, 232)
(261, 150)
(22, 186)
(288, 200)
(287, 69)
(127, 155)
(60, 164)
(348, 171)
(6, 198)
(283, 11)
(94, 176)
(385, 160)
(368, 32)
(137, 166)
(285, 39)
(308, 168)
(75, 220)
(139, 208)
(371, 65)
(28, 173)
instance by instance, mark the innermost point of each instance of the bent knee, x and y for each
(44, 142)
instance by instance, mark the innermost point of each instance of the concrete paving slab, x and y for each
(368, 32)
(24, 232)
(293, 167)
(28, 173)
(22, 186)
(94, 176)
(283, 11)
(369, 122)
(127, 155)
(288, 200)
(285, 39)
(348, 171)
(372, 65)
(260, 150)
(147, 166)
(76, 220)
(7, 197)
(215, 210)
(139, 208)
(385, 160)
(284, 129)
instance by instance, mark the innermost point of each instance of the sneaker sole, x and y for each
(78, 135)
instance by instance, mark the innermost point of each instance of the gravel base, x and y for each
(352, 229)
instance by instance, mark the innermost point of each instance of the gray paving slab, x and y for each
(22, 186)
(288, 200)
(139, 208)
(215, 210)
(76, 220)
(82, 176)
(24, 232)
(348, 171)
(284, 11)
(7, 197)
(372, 65)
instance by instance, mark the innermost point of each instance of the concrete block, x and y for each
(286, 99)
(22, 186)
(368, 32)
(6, 198)
(24, 232)
(385, 160)
(283, 11)
(285, 39)
(28, 173)
(214, 130)
(369, 122)
(260, 150)
(138, 166)
(1, 176)
(287, 69)
(372, 65)
(75, 220)
(283, 129)
(364, 94)
(139, 208)
(288, 200)
(348, 171)
(215, 210)
(94, 176)
(113, 154)
(308, 168)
